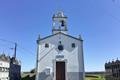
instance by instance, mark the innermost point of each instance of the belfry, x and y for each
(60, 55)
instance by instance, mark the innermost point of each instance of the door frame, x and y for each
(54, 68)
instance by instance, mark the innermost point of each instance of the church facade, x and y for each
(60, 55)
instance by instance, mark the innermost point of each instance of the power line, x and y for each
(7, 41)
(26, 50)
(18, 45)
(5, 46)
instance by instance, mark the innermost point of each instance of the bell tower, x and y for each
(59, 23)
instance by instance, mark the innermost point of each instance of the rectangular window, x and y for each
(46, 45)
(0, 69)
(73, 45)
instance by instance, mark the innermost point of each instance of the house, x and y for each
(4, 67)
(10, 68)
(112, 70)
(15, 69)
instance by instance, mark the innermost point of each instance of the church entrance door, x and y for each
(60, 71)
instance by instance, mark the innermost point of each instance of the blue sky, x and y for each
(98, 21)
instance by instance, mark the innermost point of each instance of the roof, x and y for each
(5, 58)
(60, 33)
(113, 62)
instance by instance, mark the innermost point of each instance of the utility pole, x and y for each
(15, 49)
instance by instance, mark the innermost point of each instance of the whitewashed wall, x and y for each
(4, 72)
(74, 56)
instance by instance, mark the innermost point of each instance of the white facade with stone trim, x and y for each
(60, 55)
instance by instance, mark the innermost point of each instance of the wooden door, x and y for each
(60, 71)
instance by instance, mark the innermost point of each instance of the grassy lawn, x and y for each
(94, 77)
(28, 76)
(88, 77)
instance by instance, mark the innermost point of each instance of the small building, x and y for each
(15, 69)
(10, 68)
(60, 55)
(112, 70)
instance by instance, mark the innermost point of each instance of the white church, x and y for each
(60, 55)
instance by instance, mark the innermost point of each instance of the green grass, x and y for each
(94, 77)
(30, 76)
